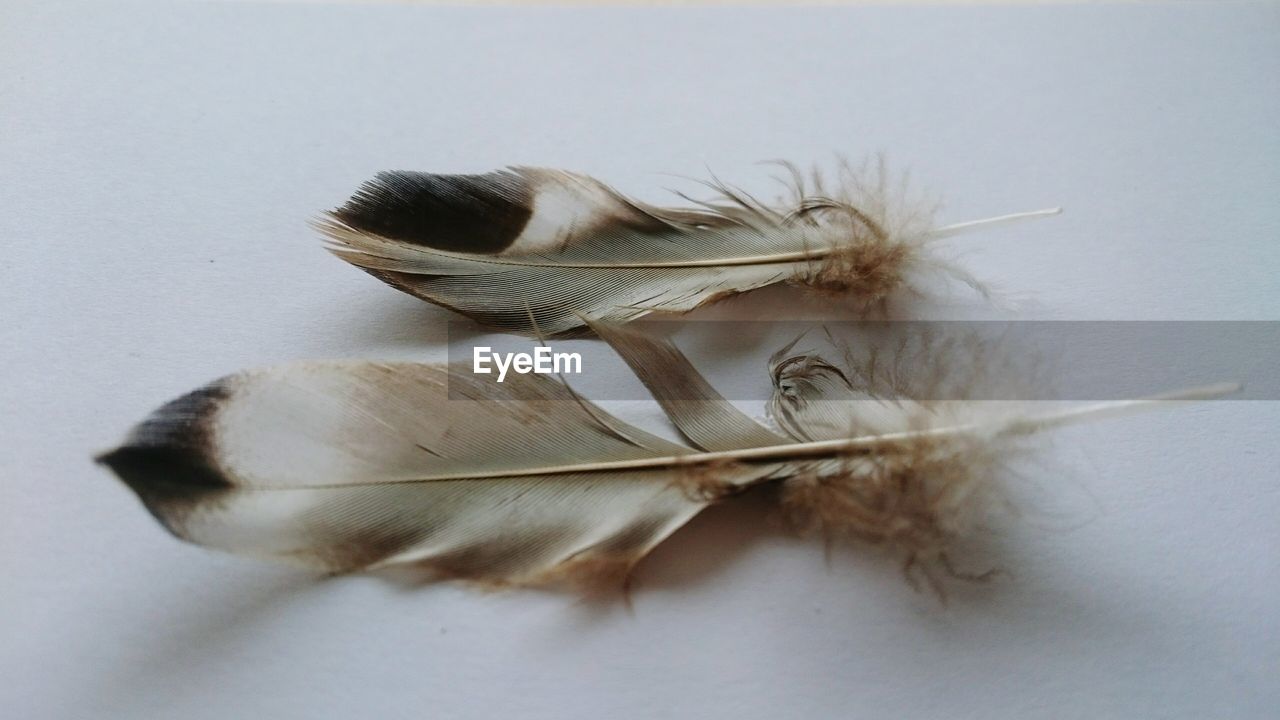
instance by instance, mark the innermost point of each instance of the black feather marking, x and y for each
(167, 460)
(461, 213)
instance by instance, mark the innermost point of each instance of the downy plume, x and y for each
(351, 466)
(921, 494)
(521, 246)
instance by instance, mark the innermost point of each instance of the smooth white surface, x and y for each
(157, 167)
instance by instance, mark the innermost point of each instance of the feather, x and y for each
(525, 246)
(349, 466)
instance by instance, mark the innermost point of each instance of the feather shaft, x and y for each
(947, 231)
(864, 444)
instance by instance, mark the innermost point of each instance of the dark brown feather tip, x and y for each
(460, 213)
(167, 458)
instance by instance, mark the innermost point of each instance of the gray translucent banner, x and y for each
(952, 360)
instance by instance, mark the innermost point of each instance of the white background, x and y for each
(157, 168)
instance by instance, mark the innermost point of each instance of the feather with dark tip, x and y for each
(350, 466)
(527, 247)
